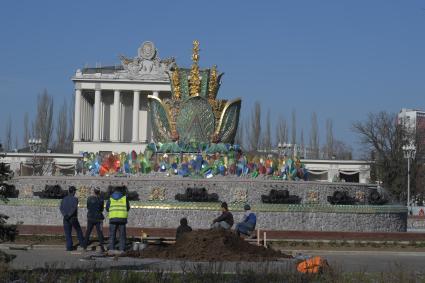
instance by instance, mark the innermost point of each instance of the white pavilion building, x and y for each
(111, 111)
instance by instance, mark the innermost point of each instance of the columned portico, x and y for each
(136, 108)
(111, 111)
(77, 122)
(115, 130)
(96, 123)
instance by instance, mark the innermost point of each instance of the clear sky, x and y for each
(339, 58)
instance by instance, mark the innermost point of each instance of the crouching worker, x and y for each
(225, 220)
(183, 228)
(248, 223)
(95, 217)
(118, 207)
(69, 210)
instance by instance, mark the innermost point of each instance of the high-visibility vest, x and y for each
(312, 265)
(118, 208)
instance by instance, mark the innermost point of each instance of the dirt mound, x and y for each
(210, 245)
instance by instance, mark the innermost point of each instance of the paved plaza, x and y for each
(346, 261)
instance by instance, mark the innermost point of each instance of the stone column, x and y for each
(96, 123)
(84, 119)
(77, 115)
(115, 134)
(148, 123)
(136, 106)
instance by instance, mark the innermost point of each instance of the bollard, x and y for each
(265, 239)
(258, 237)
(136, 246)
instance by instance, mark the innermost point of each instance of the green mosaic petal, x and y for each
(229, 123)
(160, 124)
(184, 83)
(205, 74)
(196, 121)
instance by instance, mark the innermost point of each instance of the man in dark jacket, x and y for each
(95, 217)
(225, 220)
(118, 207)
(69, 210)
(183, 228)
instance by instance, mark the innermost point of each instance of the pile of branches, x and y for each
(52, 192)
(280, 196)
(343, 198)
(377, 198)
(8, 232)
(8, 191)
(197, 195)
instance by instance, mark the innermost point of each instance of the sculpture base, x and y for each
(158, 208)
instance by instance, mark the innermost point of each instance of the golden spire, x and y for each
(213, 84)
(176, 83)
(195, 50)
(195, 80)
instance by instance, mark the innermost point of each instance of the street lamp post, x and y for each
(279, 146)
(286, 147)
(409, 153)
(35, 145)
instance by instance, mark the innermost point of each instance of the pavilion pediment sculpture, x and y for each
(194, 114)
(146, 65)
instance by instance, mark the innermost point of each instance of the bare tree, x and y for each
(239, 134)
(302, 143)
(62, 128)
(248, 133)
(314, 137)
(342, 151)
(71, 117)
(294, 131)
(8, 136)
(281, 131)
(329, 148)
(267, 139)
(255, 133)
(384, 138)
(44, 120)
(16, 145)
(26, 130)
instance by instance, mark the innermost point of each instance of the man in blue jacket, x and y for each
(69, 210)
(95, 217)
(118, 207)
(248, 223)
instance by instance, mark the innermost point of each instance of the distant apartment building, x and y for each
(414, 121)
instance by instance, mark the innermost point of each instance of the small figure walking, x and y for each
(69, 210)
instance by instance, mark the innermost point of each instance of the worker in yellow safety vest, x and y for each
(117, 206)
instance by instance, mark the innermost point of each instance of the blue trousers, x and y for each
(244, 228)
(90, 225)
(67, 227)
(113, 227)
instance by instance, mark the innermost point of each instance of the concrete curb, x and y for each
(371, 253)
(29, 247)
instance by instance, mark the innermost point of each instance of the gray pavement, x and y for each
(347, 261)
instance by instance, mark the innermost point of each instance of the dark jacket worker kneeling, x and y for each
(183, 228)
(225, 220)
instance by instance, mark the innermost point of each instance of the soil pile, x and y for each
(210, 245)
